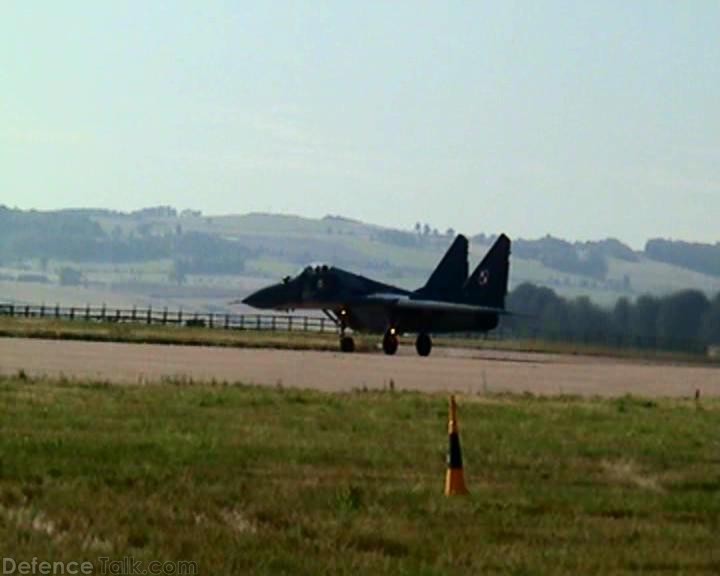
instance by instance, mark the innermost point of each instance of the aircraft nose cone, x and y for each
(256, 299)
(249, 300)
(271, 297)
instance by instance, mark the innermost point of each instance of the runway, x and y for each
(446, 370)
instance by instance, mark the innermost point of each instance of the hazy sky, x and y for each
(579, 119)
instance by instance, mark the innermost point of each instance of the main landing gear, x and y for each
(423, 344)
(390, 342)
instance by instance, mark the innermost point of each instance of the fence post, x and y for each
(149, 315)
(134, 312)
(42, 310)
(227, 321)
(290, 323)
(258, 319)
(180, 317)
(211, 320)
(57, 310)
(164, 319)
(27, 311)
(87, 312)
(102, 312)
(322, 324)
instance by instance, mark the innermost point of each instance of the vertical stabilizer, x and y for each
(487, 285)
(446, 282)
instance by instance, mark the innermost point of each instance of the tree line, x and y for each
(686, 321)
(74, 237)
(703, 258)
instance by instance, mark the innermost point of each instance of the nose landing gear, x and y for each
(347, 344)
(423, 344)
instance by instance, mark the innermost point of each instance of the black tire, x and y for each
(390, 343)
(347, 344)
(423, 344)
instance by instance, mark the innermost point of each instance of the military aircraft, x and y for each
(449, 302)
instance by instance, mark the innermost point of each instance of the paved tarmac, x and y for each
(447, 369)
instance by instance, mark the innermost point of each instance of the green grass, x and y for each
(274, 481)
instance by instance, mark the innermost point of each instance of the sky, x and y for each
(583, 120)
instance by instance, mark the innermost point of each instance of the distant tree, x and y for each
(418, 227)
(155, 212)
(611, 247)
(703, 258)
(426, 230)
(587, 320)
(562, 256)
(685, 320)
(711, 322)
(680, 318)
(543, 305)
(450, 232)
(621, 318)
(643, 324)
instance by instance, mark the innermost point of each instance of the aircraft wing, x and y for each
(393, 300)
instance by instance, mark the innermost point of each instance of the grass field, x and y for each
(275, 481)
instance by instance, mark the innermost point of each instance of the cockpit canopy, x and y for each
(309, 271)
(315, 268)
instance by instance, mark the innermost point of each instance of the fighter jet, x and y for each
(449, 302)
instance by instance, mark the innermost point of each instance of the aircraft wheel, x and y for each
(347, 344)
(390, 343)
(423, 344)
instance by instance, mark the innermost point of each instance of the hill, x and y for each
(183, 256)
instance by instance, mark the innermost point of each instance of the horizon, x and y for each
(441, 232)
(591, 121)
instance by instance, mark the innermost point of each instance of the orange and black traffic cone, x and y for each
(455, 478)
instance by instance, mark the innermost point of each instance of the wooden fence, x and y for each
(316, 324)
(165, 317)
